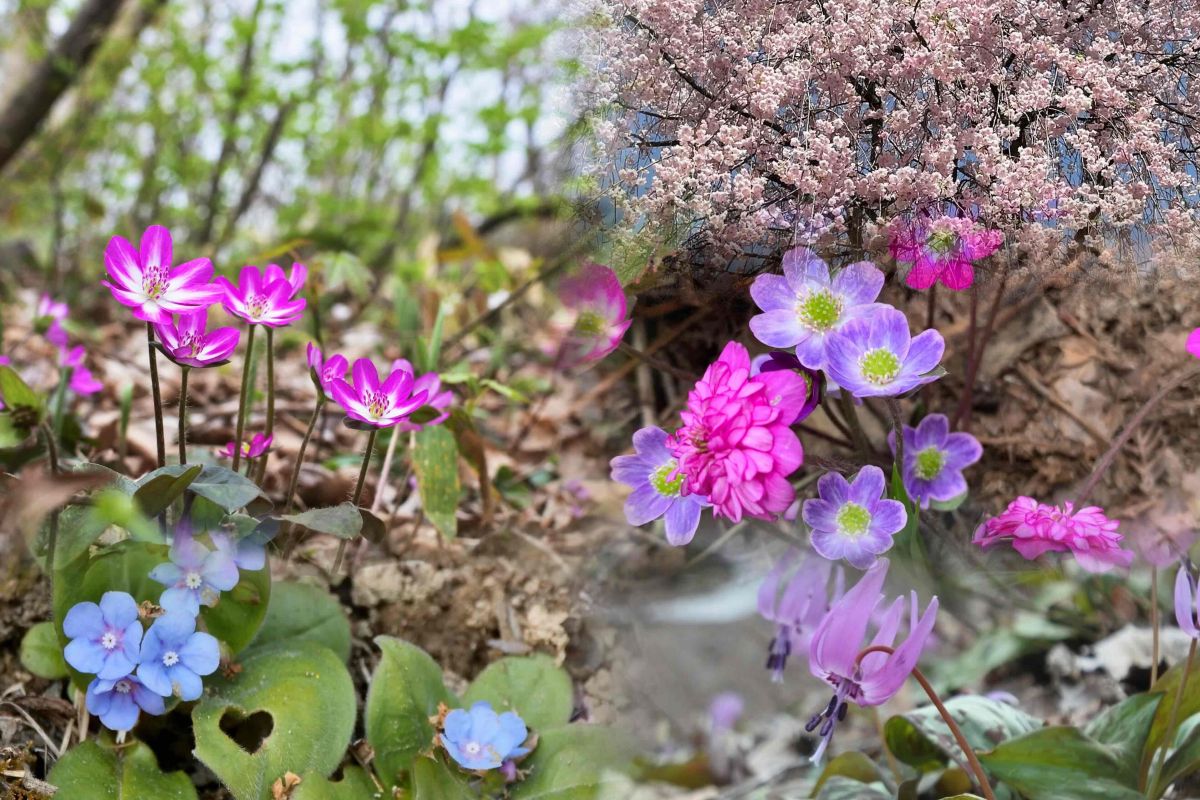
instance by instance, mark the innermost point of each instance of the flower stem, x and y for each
(358, 490)
(964, 745)
(183, 389)
(241, 418)
(962, 414)
(161, 437)
(270, 431)
(894, 409)
(846, 401)
(290, 502)
(52, 536)
(1173, 722)
(1154, 622)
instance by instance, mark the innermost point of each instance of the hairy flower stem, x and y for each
(60, 399)
(358, 490)
(161, 437)
(290, 502)
(1154, 622)
(183, 389)
(1172, 723)
(241, 418)
(386, 469)
(964, 745)
(931, 306)
(846, 401)
(52, 534)
(270, 425)
(962, 414)
(894, 409)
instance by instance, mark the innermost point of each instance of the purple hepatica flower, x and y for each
(175, 656)
(435, 398)
(1187, 601)
(265, 297)
(324, 371)
(187, 342)
(598, 302)
(145, 281)
(833, 656)
(797, 612)
(117, 702)
(814, 380)
(851, 520)
(480, 739)
(195, 576)
(724, 712)
(804, 305)
(82, 381)
(379, 404)
(876, 357)
(934, 460)
(105, 638)
(248, 553)
(254, 448)
(653, 474)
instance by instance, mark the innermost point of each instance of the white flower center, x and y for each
(170, 658)
(193, 580)
(472, 748)
(123, 687)
(109, 640)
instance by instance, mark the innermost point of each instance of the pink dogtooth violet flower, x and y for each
(145, 280)
(597, 302)
(1035, 528)
(187, 341)
(381, 404)
(875, 678)
(1187, 600)
(944, 249)
(799, 609)
(265, 297)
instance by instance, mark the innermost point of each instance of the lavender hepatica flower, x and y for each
(175, 656)
(653, 474)
(480, 739)
(833, 655)
(324, 371)
(1187, 601)
(188, 341)
(372, 402)
(934, 459)
(876, 357)
(799, 609)
(105, 638)
(805, 305)
(265, 297)
(852, 520)
(248, 553)
(144, 279)
(195, 575)
(118, 702)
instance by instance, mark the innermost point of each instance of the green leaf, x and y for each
(42, 654)
(922, 739)
(851, 764)
(1184, 760)
(841, 788)
(435, 460)
(302, 612)
(306, 696)
(434, 780)
(354, 785)
(17, 394)
(1189, 704)
(78, 528)
(949, 505)
(342, 521)
(10, 434)
(159, 489)
(1061, 763)
(405, 692)
(533, 686)
(1125, 727)
(90, 771)
(226, 488)
(114, 507)
(573, 762)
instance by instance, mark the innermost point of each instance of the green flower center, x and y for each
(589, 323)
(942, 241)
(929, 463)
(819, 310)
(662, 481)
(853, 519)
(880, 365)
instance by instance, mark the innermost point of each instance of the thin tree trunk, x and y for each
(250, 191)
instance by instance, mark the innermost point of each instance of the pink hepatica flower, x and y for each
(1193, 343)
(371, 402)
(324, 371)
(598, 302)
(799, 609)
(944, 249)
(265, 297)
(187, 341)
(736, 447)
(145, 281)
(254, 448)
(82, 381)
(48, 319)
(435, 398)
(873, 680)
(876, 357)
(1035, 528)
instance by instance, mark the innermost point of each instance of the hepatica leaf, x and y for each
(90, 771)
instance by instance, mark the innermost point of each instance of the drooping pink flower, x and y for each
(265, 297)
(254, 448)
(145, 280)
(736, 447)
(324, 371)
(597, 303)
(82, 381)
(188, 342)
(944, 249)
(435, 398)
(1035, 528)
(1193, 343)
(381, 404)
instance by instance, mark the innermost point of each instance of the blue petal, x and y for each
(201, 654)
(85, 655)
(116, 666)
(457, 724)
(153, 676)
(181, 601)
(186, 683)
(119, 609)
(512, 733)
(84, 619)
(99, 696)
(122, 713)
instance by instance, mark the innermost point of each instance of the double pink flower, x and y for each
(1035, 528)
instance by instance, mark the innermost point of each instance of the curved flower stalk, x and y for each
(598, 310)
(653, 474)
(188, 343)
(934, 459)
(853, 520)
(1035, 528)
(798, 611)
(942, 250)
(876, 356)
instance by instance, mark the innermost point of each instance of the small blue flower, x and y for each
(248, 553)
(481, 739)
(116, 702)
(175, 655)
(195, 576)
(105, 638)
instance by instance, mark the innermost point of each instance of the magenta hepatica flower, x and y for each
(814, 380)
(833, 654)
(736, 447)
(653, 474)
(435, 398)
(804, 305)
(105, 638)
(324, 371)
(597, 301)
(944, 249)
(254, 448)
(934, 460)
(379, 404)
(1187, 601)
(481, 739)
(195, 575)
(1035, 528)
(265, 297)
(48, 319)
(799, 609)
(188, 342)
(145, 281)
(175, 656)
(851, 520)
(875, 357)
(118, 702)
(1193, 343)
(82, 381)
